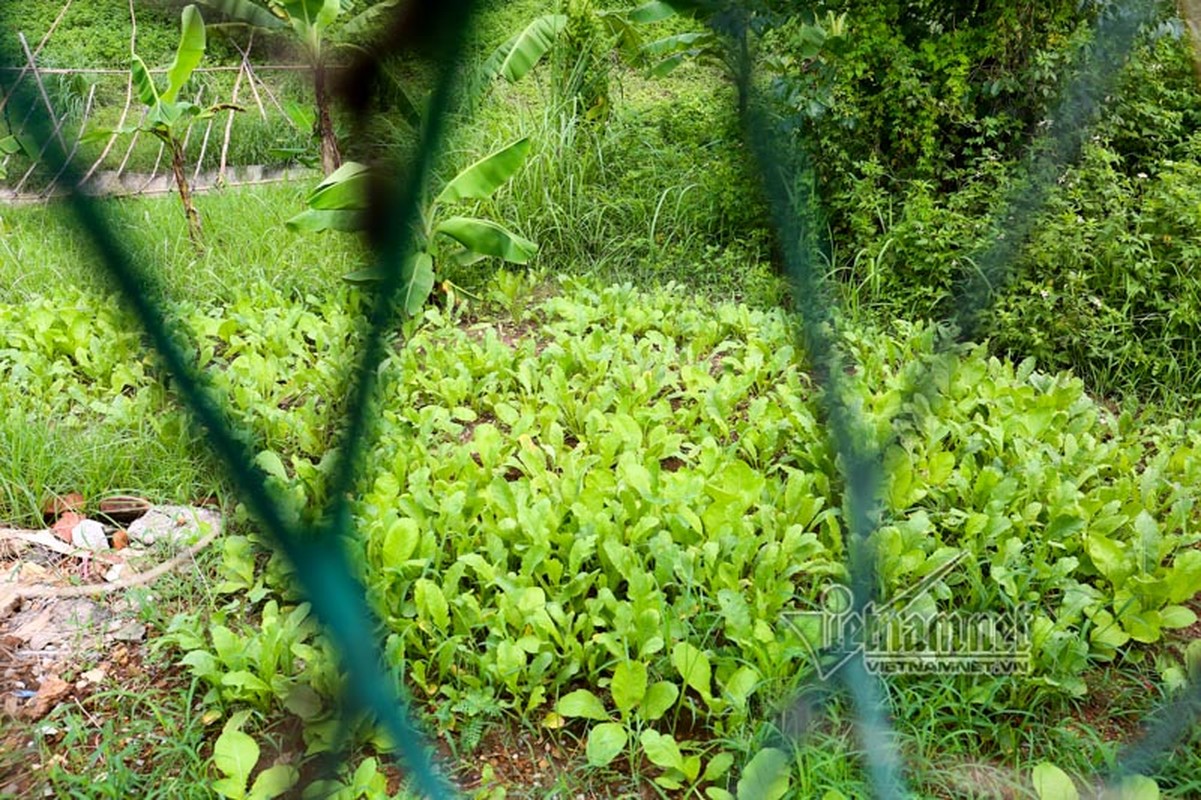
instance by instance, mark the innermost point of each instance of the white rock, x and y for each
(179, 525)
(89, 535)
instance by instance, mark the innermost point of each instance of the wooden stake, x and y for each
(133, 40)
(229, 123)
(37, 51)
(29, 57)
(132, 141)
(87, 110)
(204, 144)
(245, 65)
(158, 159)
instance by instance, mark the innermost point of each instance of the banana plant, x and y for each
(521, 53)
(312, 23)
(9, 145)
(340, 201)
(168, 118)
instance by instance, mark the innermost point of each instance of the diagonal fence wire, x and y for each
(316, 552)
(1068, 128)
(798, 224)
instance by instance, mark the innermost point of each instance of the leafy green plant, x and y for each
(9, 145)
(634, 700)
(1052, 783)
(639, 703)
(365, 782)
(235, 755)
(767, 775)
(585, 38)
(583, 68)
(339, 203)
(260, 672)
(634, 494)
(167, 117)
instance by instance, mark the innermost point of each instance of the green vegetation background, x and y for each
(661, 448)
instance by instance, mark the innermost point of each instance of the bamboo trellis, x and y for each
(211, 167)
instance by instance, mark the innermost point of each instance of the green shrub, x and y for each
(1108, 286)
(915, 133)
(582, 62)
(923, 90)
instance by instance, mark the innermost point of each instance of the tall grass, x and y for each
(641, 196)
(246, 240)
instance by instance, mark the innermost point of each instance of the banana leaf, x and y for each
(188, 54)
(488, 238)
(513, 59)
(485, 176)
(247, 13)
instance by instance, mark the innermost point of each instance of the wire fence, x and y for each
(316, 550)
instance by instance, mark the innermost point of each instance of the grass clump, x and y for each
(42, 251)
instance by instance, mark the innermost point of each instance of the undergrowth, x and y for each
(604, 514)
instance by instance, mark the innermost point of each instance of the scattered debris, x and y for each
(46, 539)
(44, 627)
(54, 618)
(52, 689)
(174, 525)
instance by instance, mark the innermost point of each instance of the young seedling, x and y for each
(168, 118)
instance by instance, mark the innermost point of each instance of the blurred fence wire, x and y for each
(437, 31)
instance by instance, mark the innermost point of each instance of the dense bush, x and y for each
(925, 90)
(916, 120)
(1109, 283)
(97, 34)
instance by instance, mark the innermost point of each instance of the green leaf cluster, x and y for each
(340, 203)
(607, 519)
(167, 117)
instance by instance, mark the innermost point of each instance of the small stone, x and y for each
(53, 688)
(124, 508)
(179, 525)
(94, 675)
(66, 524)
(89, 535)
(31, 572)
(132, 631)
